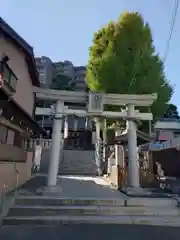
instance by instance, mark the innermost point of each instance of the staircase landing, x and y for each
(70, 186)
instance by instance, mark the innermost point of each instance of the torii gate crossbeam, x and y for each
(95, 107)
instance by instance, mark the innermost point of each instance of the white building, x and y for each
(167, 129)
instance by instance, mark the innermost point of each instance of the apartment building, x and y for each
(80, 78)
(45, 71)
(17, 107)
(77, 74)
(65, 68)
(48, 69)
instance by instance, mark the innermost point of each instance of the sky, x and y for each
(63, 29)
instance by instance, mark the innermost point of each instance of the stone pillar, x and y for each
(104, 139)
(93, 138)
(110, 159)
(90, 123)
(56, 144)
(86, 123)
(133, 164)
(118, 149)
(66, 127)
(98, 145)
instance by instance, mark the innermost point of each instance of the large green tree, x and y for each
(171, 112)
(123, 60)
(62, 82)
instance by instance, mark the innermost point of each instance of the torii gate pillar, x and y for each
(133, 163)
(56, 144)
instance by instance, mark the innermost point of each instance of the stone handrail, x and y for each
(44, 143)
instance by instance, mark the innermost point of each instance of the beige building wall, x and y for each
(25, 98)
(24, 95)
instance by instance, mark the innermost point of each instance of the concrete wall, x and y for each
(8, 152)
(8, 173)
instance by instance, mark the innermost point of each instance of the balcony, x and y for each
(10, 79)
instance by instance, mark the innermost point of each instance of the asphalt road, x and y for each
(89, 232)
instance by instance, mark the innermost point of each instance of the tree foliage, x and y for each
(171, 112)
(123, 60)
(62, 82)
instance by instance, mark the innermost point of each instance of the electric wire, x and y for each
(172, 25)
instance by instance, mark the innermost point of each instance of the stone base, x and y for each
(99, 172)
(136, 191)
(146, 192)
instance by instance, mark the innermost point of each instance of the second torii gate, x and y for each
(95, 103)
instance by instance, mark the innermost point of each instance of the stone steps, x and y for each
(68, 171)
(77, 168)
(62, 220)
(135, 202)
(44, 210)
(78, 162)
(66, 201)
(72, 162)
(22, 211)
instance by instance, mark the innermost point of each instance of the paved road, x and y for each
(89, 232)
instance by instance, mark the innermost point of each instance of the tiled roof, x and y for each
(24, 46)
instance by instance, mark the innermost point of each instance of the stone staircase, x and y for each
(48, 210)
(78, 162)
(81, 162)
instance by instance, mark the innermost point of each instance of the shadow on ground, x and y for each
(90, 231)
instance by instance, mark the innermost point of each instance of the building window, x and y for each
(9, 77)
(43, 60)
(18, 140)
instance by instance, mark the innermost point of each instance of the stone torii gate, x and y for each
(95, 103)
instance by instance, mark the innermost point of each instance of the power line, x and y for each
(172, 24)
